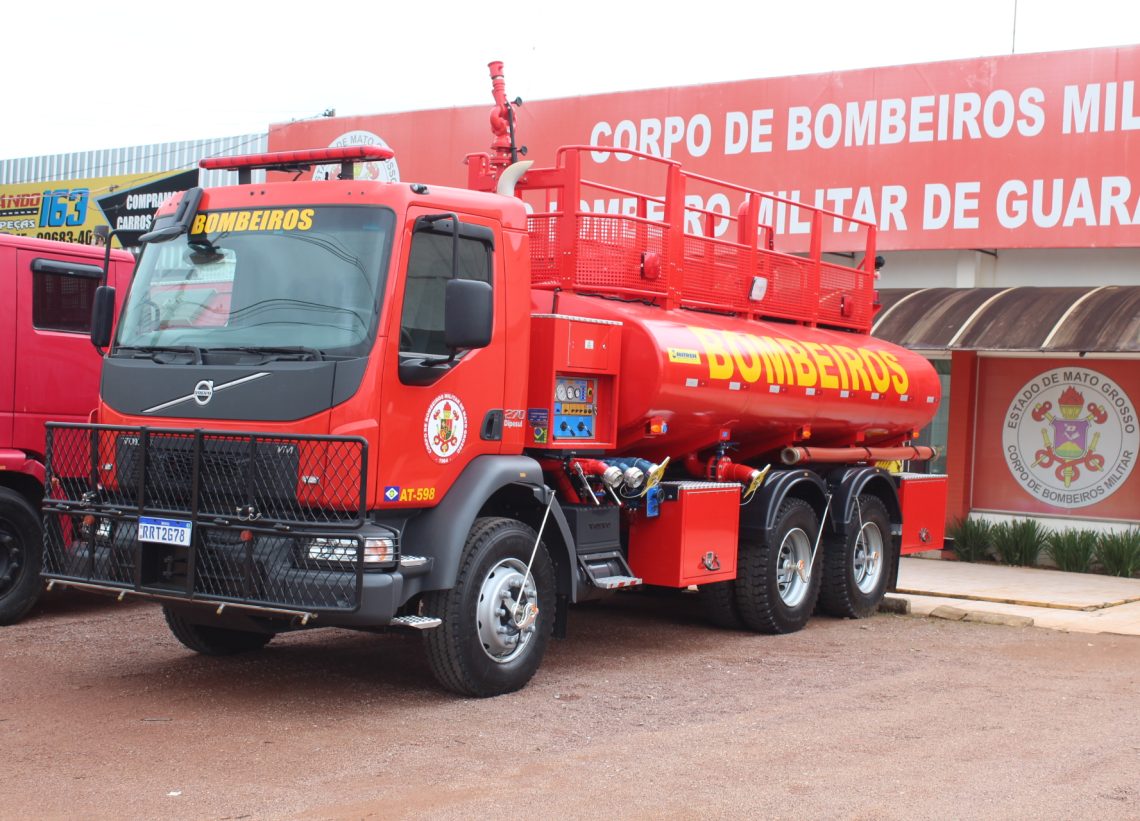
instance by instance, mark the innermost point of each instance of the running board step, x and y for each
(608, 569)
(416, 622)
(615, 582)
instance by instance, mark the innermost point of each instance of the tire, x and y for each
(719, 602)
(771, 596)
(21, 556)
(857, 565)
(213, 641)
(478, 650)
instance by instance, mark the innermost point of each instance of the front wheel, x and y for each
(497, 619)
(21, 554)
(213, 641)
(856, 565)
(776, 586)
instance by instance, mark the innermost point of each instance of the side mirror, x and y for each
(102, 317)
(468, 314)
(169, 226)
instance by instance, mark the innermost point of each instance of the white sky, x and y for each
(88, 75)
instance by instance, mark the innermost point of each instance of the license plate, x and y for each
(164, 531)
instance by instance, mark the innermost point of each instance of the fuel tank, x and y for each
(690, 379)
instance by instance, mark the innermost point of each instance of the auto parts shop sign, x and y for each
(69, 210)
(1070, 437)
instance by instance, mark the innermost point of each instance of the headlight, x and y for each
(378, 550)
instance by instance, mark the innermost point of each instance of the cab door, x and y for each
(56, 368)
(440, 409)
(9, 277)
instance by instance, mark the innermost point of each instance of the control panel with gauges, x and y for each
(573, 382)
(575, 411)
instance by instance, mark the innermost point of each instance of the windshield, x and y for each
(293, 278)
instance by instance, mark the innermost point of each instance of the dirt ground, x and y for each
(643, 712)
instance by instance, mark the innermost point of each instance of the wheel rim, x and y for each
(507, 611)
(9, 556)
(795, 552)
(867, 563)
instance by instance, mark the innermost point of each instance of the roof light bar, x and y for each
(299, 160)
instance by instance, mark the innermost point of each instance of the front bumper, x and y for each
(251, 510)
(266, 574)
(380, 595)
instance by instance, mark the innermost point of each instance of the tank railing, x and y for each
(664, 259)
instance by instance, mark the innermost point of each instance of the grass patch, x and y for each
(1072, 550)
(1020, 542)
(1119, 553)
(972, 539)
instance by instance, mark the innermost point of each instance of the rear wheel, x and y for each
(775, 590)
(856, 566)
(213, 641)
(21, 556)
(719, 602)
(497, 619)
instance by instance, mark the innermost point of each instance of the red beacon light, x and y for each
(302, 160)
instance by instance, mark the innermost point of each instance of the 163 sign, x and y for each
(1070, 437)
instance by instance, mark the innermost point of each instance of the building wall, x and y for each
(158, 158)
(1055, 439)
(1008, 268)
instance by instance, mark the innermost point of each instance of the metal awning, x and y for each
(1103, 319)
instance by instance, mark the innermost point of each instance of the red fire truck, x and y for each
(48, 370)
(372, 404)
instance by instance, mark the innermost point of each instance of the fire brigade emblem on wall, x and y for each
(445, 428)
(1070, 437)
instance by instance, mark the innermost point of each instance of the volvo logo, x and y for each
(204, 392)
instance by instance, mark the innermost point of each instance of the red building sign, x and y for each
(1003, 152)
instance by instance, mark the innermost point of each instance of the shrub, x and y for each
(1072, 550)
(1020, 542)
(1119, 553)
(972, 539)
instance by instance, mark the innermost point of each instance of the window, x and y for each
(62, 293)
(316, 284)
(429, 269)
(937, 432)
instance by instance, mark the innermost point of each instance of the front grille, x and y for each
(221, 477)
(253, 503)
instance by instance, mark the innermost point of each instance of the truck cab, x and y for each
(306, 377)
(48, 371)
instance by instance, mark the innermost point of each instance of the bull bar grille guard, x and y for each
(269, 521)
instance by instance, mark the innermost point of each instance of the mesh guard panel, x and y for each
(252, 506)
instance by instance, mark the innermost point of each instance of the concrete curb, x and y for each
(945, 611)
(955, 614)
(1004, 619)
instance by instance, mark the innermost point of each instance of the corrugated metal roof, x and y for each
(1104, 319)
(159, 159)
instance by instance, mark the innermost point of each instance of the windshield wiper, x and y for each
(272, 352)
(151, 351)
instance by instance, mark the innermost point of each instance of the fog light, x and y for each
(332, 550)
(377, 550)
